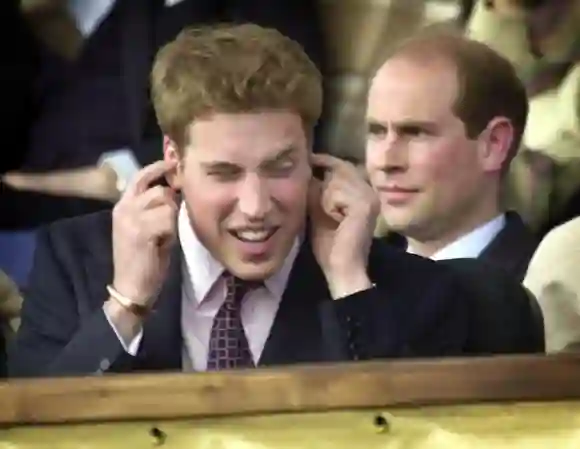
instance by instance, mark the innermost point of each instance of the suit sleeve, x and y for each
(57, 337)
(397, 319)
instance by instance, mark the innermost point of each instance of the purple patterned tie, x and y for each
(228, 344)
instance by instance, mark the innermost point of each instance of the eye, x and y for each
(376, 130)
(225, 173)
(413, 131)
(279, 168)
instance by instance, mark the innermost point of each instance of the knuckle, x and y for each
(158, 190)
(162, 194)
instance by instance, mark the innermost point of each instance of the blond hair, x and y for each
(232, 69)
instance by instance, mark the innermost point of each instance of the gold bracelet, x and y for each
(127, 304)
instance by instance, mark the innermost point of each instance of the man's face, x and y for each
(424, 167)
(244, 179)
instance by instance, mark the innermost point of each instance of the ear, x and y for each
(171, 154)
(495, 143)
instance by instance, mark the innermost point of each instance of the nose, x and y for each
(254, 199)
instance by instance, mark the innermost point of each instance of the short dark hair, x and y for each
(488, 84)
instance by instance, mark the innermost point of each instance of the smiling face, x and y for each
(244, 179)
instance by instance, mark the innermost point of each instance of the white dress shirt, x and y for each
(204, 291)
(471, 245)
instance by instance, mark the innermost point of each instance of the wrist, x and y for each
(134, 294)
(127, 324)
(346, 283)
(136, 308)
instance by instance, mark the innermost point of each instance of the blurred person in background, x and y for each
(10, 306)
(19, 69)
(542, 40)
(553, 278)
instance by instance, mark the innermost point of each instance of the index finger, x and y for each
(326, 161)
(149, 174)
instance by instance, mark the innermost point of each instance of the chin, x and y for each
(397, 220)
(254, 271)
(395, 224)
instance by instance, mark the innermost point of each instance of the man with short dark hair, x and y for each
(445, 118)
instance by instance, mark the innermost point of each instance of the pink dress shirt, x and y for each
(203, 292)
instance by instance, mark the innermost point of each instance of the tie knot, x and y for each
(237, 288)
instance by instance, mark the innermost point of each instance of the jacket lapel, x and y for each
(295, 336)
(395, 240)
(161, 347)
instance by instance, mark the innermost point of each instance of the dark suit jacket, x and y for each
(101, 102)
(511, 249)
(417, 309)
(505, 318)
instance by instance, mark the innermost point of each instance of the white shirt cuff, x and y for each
(124, 163)
(130, 347)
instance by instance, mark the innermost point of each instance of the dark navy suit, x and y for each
(417, 309)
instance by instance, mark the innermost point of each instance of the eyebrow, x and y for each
(283, 154)
(214, 165)
(375, 125)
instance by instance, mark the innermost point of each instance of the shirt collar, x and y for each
(204, 270)
(472, 244)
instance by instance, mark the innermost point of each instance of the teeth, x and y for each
(254, 236)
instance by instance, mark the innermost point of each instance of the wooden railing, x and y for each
(487, 401)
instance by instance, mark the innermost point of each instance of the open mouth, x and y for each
(254, 235)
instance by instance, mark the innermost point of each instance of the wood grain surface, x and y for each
(507, 426)
(295, 389)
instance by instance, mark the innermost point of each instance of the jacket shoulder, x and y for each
(387, 260)
(85, 232)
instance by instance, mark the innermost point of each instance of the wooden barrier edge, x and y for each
(290, 389)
